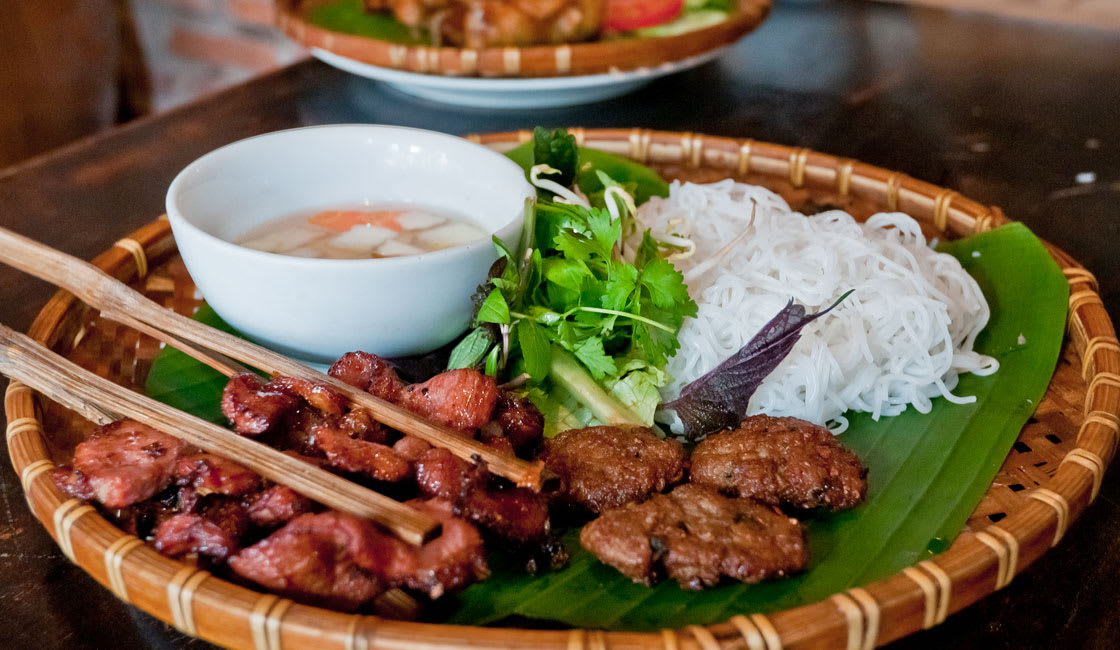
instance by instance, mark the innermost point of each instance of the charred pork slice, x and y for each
(329, 559)
(352, 455)
(606, 467)
(342, 561)
(370, 373)
(696, 535)
(520, 421)
(210, 474)
(462, 399)
(214, 532)
(781, 461)
(122, 463)
(254, 407)
(444, 565)
(275, 506)
(514, 514)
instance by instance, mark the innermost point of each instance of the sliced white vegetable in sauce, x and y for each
(419, 220)
(394, 248)
(363, 238)
(451, 234)
(283, 240)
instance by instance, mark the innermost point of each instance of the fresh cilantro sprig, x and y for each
(581, 296)
(571, 306)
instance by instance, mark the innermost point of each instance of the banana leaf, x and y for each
(927, 472)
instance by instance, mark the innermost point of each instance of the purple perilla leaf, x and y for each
(719, 399)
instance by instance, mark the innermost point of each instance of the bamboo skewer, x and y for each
(120, 303)
(103, 401)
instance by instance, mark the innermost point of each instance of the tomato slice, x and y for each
(625, 15)
(343, 220)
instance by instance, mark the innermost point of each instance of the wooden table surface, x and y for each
(1020, 115)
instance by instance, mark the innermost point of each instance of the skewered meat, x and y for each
(444, 565)
(322, 398)
(696, 535)
(276, 505)
(441, 474)
(210, 474)
(514, 514)
(254, 407)
(410, 448)
(370, 458)
(370, 373)
(491, 23)
(520, 421)
(331, 559)
(342, 561)
(215, 532)
(605, 467)
(462, 399)
(120, 464)
(781, 461)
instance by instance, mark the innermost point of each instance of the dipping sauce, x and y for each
(381, 230)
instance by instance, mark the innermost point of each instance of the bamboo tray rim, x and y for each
(632, 54)
(976, 564)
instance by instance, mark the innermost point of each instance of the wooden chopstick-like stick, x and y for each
(117, 301)
(103, 401)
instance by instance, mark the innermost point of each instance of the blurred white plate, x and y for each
(533, 92)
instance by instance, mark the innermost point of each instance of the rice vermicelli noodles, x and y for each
(902, 337)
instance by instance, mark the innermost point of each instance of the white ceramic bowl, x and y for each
(319, 309)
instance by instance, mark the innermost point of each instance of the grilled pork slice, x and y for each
(122, 463)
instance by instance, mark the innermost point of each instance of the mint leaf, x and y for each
(535, 349)
(471, 350)
(494, 309)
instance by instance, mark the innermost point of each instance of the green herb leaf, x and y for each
(566, 273)
(471, 350)
(558, 150)
(666, 287)
(492, 362)
(535, 350)
(646, 182)
(494, 309)
(590, 353)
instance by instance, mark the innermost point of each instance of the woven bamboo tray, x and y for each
(594, 57)
(1053, 473)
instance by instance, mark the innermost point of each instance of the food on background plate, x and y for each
(362, 233)
(478, 24)
(486, 23)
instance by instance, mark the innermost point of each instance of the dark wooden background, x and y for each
(1021, 115)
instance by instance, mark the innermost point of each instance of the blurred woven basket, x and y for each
(596, 57)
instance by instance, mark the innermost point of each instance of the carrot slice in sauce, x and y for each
(343, 220)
